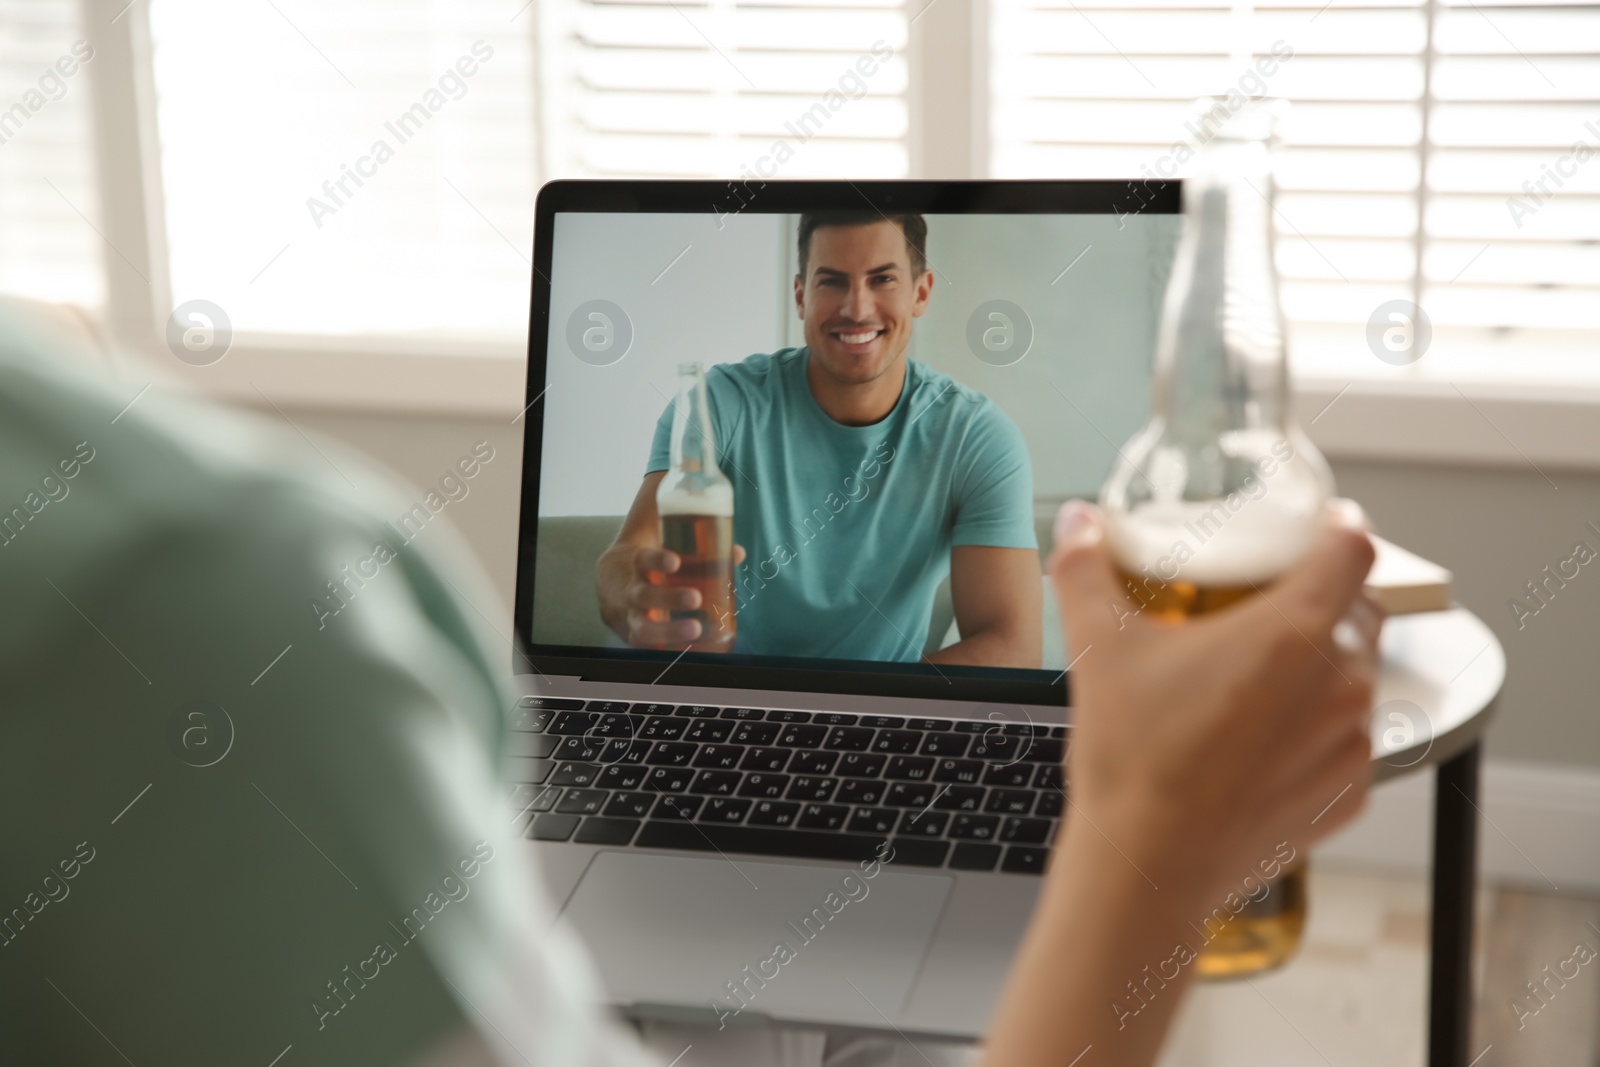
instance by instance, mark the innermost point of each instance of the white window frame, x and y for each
(1535, 426)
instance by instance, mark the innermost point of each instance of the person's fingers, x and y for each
(645, 632)
(1082, 572)
(663, 599)
(1334, 792)
(652, 562)
(1320, 589)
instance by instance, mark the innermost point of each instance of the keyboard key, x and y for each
(583, 801)
(635, 753)
(929, 724)
(532, 771)
(659, 728)
(720, 757)
(848, 739)
(773, 813)
(910, 794)
(597, 830)
(970, 857)
(897, 741)
(948, 743)
(631, 805)
(677, 807)
(994, 745)
(615, 725)
(607, 707)
(974, 827)
(724, 809)
(834, 718)
(765, 786)
(756, 733)
(918, 852)
(1010, 801)
(802, 735)
(861, 791)
(813, 762)
(654, 709)
(716, 783)
(915, 768)
(960, 771)
(697, 711)
(873, 820)
(1048, 777)
(583, 749)
(768, 841)
(972, 726)
(743, 713)
(1044, 750)
(1008, 775)
(1058, 731)
(669, 779)
(1025, 831)
(811, 787)
(528, 798)
(551, 703)
(533, 720)
(1050, 804)
(924, 823)
(961, 798)
(578, 774)
(573, 722)
(708, 730)
(1023, 860)
(539, 746)
(788, 716)
(764, 759)
(621, 776)
(882, 722)
(552, 827)
(672, 754)
(861, 765)
(823, 816)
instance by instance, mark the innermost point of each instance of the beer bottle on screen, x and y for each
(1220, 492)
(695, 502)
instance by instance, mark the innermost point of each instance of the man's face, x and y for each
(857, 299)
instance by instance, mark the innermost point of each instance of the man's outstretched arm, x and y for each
(998, 606)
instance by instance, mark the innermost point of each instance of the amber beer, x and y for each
(704, 544)
(695, 502)
(1222, 563)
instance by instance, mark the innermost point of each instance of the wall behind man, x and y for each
(1495, 528)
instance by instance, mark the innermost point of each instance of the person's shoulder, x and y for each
(754, 375)
(964, 415)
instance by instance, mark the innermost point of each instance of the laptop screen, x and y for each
(894, 404)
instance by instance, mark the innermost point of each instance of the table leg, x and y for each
(1455, 880)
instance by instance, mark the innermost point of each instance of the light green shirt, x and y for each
(339, 875)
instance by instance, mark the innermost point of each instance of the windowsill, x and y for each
(1486, 422)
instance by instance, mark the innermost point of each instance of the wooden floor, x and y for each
(1357, 993)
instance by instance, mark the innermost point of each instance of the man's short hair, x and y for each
(913, 226)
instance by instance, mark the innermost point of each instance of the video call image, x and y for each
(837, 436)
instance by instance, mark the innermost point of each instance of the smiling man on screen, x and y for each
(861, 478)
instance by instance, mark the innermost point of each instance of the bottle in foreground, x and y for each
(1220, 493)
(695, 501)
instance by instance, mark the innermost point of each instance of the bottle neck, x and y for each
(692, 447)
(1221, 362)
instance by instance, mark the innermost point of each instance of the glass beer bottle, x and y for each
(1219, 493)
(695, 501)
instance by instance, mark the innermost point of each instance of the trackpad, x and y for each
(769, 938)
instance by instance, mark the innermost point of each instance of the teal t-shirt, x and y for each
(847, 530)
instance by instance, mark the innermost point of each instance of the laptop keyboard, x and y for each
(966, 794)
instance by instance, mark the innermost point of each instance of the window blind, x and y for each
(1399, 155)
(49, 210)
(770, 88)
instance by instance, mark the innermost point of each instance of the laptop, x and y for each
(839, 816)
